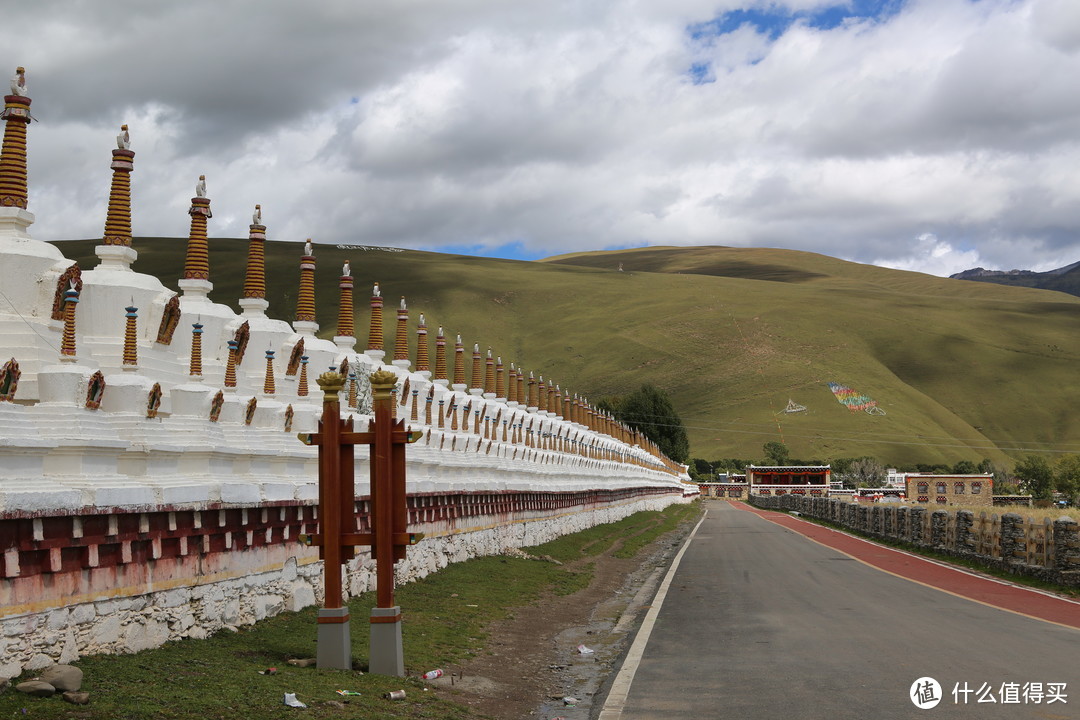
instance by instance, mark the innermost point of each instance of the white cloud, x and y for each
(568, 126)
(929, 254)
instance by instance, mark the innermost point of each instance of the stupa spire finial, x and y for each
(489, 375)
(500, 379)
(533, 406)
(375, 328)
(118, 219)
(268, 381)
(401, 340)
(459, 365)
(423, 362)
(440, 358)
(197, 261)
(302, 384)
(305, 300)
(346, 331)
(253, 299)
(195, 366)
(477, 386)
(67, 343)
(16, 115)
(230, 364)
(131, 348)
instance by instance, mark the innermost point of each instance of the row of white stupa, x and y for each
(98, 466)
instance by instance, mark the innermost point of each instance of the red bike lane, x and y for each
(988, 591)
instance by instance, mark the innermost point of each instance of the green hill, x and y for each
(962, 370)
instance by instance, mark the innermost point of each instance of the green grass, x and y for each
(446, 617)
(964, 370)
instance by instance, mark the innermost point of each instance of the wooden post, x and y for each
(337, 535)
(389, 513)
(334, 641)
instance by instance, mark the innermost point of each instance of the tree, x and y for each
(965, 467)
(650, 410)
(1067, 476)
(867, 472)
(1035, 476)
(775, 452)
(701, 470)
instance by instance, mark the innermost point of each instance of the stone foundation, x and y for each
(55, 617)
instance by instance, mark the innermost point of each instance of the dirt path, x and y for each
(532, 661)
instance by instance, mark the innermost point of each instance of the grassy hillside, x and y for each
(963, 370)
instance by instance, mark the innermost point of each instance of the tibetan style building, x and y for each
(811, 480)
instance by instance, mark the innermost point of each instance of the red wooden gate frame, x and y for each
(338, 536)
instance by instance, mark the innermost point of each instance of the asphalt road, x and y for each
(761, 622)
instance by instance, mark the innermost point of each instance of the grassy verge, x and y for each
(445, 621)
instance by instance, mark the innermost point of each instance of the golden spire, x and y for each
(345, 328)
(422, 361)
(477, 369)
(131, 348)
(500, 378)
(197, 262)
(67, 343)
(558, 407)
(440, 357)
(255, 274)
(302, 383)
(118, 218)
(521, 387)
(230, 365)
(268, 381)
(511, 390)
(375, 329)
(16, 114)
(401, 340)
(541, 395)
(195, 366)
(532, 392)
(489, 374)
(459, 363)
(305, 300)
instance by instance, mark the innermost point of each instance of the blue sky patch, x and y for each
(507, 251)
(773, 20)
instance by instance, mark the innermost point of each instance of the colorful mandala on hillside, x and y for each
(851, 399)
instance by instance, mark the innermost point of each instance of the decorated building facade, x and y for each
(973, 489)
(810, 480)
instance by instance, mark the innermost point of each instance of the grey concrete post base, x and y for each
(334, 640)
(385, 656)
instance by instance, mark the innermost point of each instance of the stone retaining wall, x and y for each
(1048, 550)
(54, 617)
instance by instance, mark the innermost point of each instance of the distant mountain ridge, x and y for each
(1063, 279)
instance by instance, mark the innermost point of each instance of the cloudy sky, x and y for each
(930, 135)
